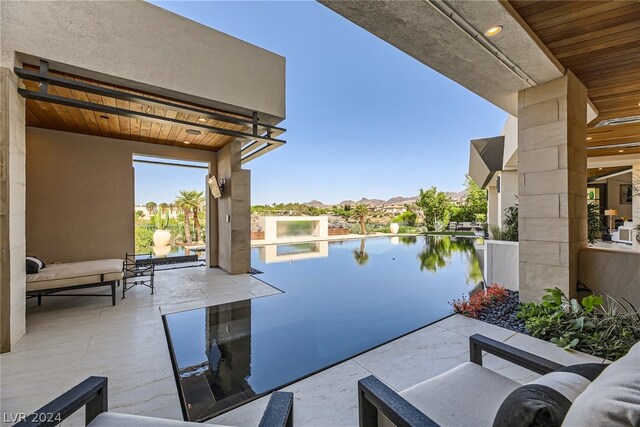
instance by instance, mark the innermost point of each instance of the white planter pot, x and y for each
(394, 227)
(161, 250)
(161, 237)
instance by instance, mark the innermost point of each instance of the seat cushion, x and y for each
(75, 273)
(613, 399)
(546, 401)
(113, 419)
(467, 395)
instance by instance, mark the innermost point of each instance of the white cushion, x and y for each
(113, 419)
(612, 399)
(467, 395)
(75, 273)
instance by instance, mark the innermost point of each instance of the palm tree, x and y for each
(163, 207)
(361, 211)
(172, 208)
(197, 204)
(151, 207)
(183, 203)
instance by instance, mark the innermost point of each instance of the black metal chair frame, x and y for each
(55, 292)
(92, 394)
(374, 395)
(138, 271)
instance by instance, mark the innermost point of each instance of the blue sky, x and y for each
(363, 118)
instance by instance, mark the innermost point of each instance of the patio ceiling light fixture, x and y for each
(193, 132)
(493, 31)
(482, 40)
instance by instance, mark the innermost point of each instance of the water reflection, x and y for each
(270, 254)
(360, 255)
(439, 250)
(365, 293)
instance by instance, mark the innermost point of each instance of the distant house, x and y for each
(395, 209)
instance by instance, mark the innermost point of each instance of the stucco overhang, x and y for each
(448, 37)
(485, 159)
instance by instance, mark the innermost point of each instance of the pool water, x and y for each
(339, 299)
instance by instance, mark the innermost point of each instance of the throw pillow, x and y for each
(546, 401)
(34, 265)
(613, 399)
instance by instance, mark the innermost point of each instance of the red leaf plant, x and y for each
(478, 301)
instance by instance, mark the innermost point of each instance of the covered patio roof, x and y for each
(599, 41)
(72, 103)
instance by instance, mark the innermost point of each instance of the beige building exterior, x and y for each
(84, 87)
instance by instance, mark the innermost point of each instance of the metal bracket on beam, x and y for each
(260, 140)
(44, 72)
(55, 80)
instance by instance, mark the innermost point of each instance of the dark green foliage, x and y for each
(603, 330)
(594, 221)
(407, 217)
(509, 229)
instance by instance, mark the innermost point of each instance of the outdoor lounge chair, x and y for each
(471, 395)
(92, 394)
(72, 276)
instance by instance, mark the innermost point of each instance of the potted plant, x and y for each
(162, 236)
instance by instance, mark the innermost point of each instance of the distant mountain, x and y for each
(398, 200)
(371, 202)
(315, 204)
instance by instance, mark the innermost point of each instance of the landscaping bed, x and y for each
(605, 328)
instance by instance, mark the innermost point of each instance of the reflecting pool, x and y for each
(339, 299)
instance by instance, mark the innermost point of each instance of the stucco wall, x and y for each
(612, 272)
(139, 42)
(501, 263)
(80, 193)
(12, 216)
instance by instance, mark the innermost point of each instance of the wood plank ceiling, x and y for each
(599, 41)
(70, 119)
(595, 173)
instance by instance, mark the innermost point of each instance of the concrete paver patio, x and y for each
(69, 339)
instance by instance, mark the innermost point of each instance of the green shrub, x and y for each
(602, 329)
(143, 239)
(407, 217)
(594, 223)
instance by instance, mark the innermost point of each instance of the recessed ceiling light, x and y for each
(620, 151)
(493, 31)
(589, 138)
(186, 142)
(193, 132)
(202, 120)
(599, 169)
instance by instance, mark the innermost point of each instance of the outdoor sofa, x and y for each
(471, 395)
(92, 395)
(70, 276)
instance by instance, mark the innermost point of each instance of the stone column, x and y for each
(234, 212)
(552, 184)
(508, 192)
(12, 212)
